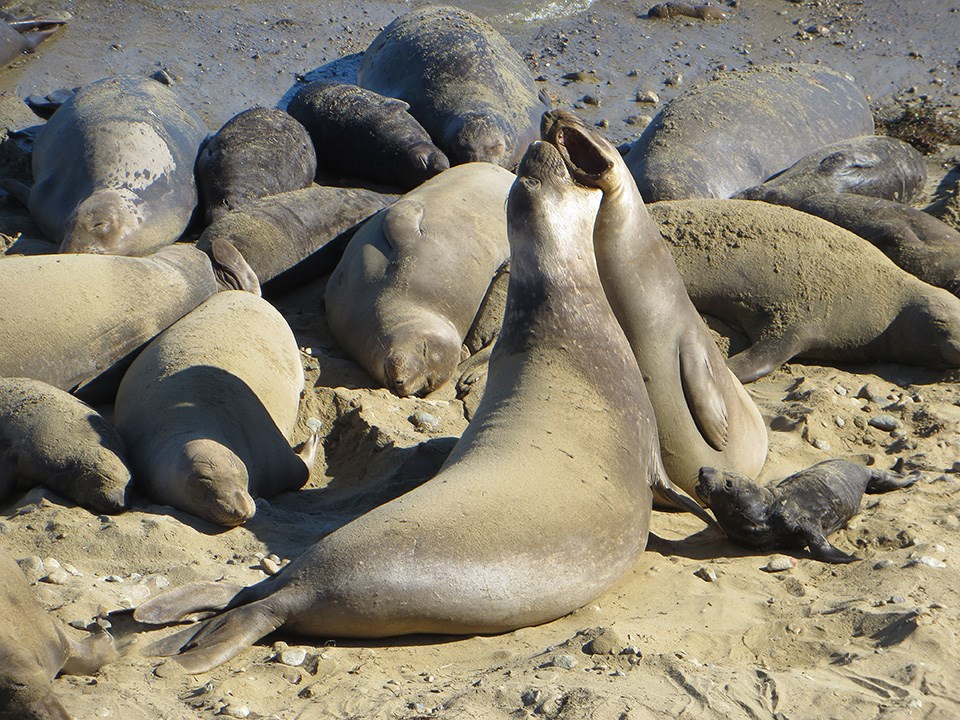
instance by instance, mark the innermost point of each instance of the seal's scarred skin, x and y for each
(464, 82)
(799, 511)
(737, 128)
(541, 506)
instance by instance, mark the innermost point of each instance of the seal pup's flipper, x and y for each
(214, 641)
(699, 378)
(821, 549)
(187, 602)
(232, 270)
(882, 481)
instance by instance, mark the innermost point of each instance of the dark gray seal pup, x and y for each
(669, 10)
(113, 169)
(360, 133)
(464, 82)
(872, 165)
(34, 649)
(915, 241)
(737, 128)
(541, 506)
(48, 437)
(259, 152)
(87, 313)
(23, 36)
(799, 286)
(800, 510)
(412, 278)
(208, 408)
(704, 416)
(297, 236)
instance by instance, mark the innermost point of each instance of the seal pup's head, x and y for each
(742, 507)
(101, 224)
(421, 356)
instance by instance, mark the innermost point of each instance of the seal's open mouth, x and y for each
(582, 153)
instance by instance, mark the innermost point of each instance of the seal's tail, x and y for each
(194, 601)
(212, 642)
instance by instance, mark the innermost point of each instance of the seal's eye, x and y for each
(728, 484)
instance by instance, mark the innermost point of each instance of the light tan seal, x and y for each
(543, 503)
(704, 416)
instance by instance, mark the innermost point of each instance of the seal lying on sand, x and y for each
(50, 438)
(23, 36)
(738, 128)
(800, 510)
(464, 82)
(34, 649)
(296, 235)
(873, 165)
(799, 286)
(88, 312)
(412, 278)
(360, 133)
(542, 504)
(704, 416)
(113, 169)
(259, 152)
(207, 410)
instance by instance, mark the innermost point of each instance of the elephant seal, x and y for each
(871, 165)
(413, 276)
(207, 410)
(799, 511)
(669, 10)
(464, 82)
(34, 649)
(737, 128)
(89, 312)
(704, 416)
(48, 437)
(23, 36)
(915, 241)
(543, 503)
(259, 152)
(295, 236)
(784, 278)
(113, 169)
(360, 133)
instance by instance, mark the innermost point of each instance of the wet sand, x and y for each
(697, 629)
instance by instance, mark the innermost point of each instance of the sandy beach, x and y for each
(699, 628)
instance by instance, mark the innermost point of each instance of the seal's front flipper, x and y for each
(232, 270)
(403, 224)
(882, 481)
(700, 379)
(186, 602)
(821, 549)
(90, 654)
(662, 486)
(762, 358)
(214, 641)
(17, 190)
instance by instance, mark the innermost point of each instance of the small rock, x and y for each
(887, 423)
(565, 662)
(293, 657)
(269, 566)
(579, 76)
(676, 80)
(113, 579)
(424, 421)
(639, 120)
(708, 574)
(821, 444)
(839, 421)
(607, 642)
(50, 563)
(840, 390)
(647, 96)
(58, 577)
(235, 711)
(33, 566)
(871, 392)
(926, 560)
(593, 100)
(314, 424)
(896, 600)
(779, 563)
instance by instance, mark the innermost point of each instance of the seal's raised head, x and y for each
(590, 158)
(102, 224)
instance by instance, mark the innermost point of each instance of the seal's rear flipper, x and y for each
(232, 270)
(882, 481)
(762, 358)
(821, 549)
(214, 641)
(17, 190)
(180, 604)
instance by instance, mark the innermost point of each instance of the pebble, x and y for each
(926, 560)
(896, 600)
(821, 444)
(840, 390)
(639, 120)
(424, 421)
(839, 421)
(647, 96)
(607, 642)
(676, 80)
(708, 574)
(870, 392)
(235, 711)
(565, 662)
(886, 423)
(58, 577)
(50, 563)
(779, 563)
(269, 566)
(314, 424)
(579, 76)
(883, 564)
(294, 657)
(33, 565)
(593, 100)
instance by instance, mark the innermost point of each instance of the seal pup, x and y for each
(704, 416)
(258, 152)
(783, 278)
(413, 276)
(799, 511)
(543, 503)
(464, 82)
(735, 129)
(23, 36)
(208, 408)
(363, 134)
(296, 236)
(34, 649)
(872, 165)
(48, 437)
(89, 312)
(113, 169)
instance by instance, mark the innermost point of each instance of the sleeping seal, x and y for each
(800, 510)
(463, 81)
(737, 128)
(23, 36)
(542, 504)
(704, 416)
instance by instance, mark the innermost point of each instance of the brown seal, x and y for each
(543, 503)
(704, 416)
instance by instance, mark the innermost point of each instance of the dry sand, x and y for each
(697, 629)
